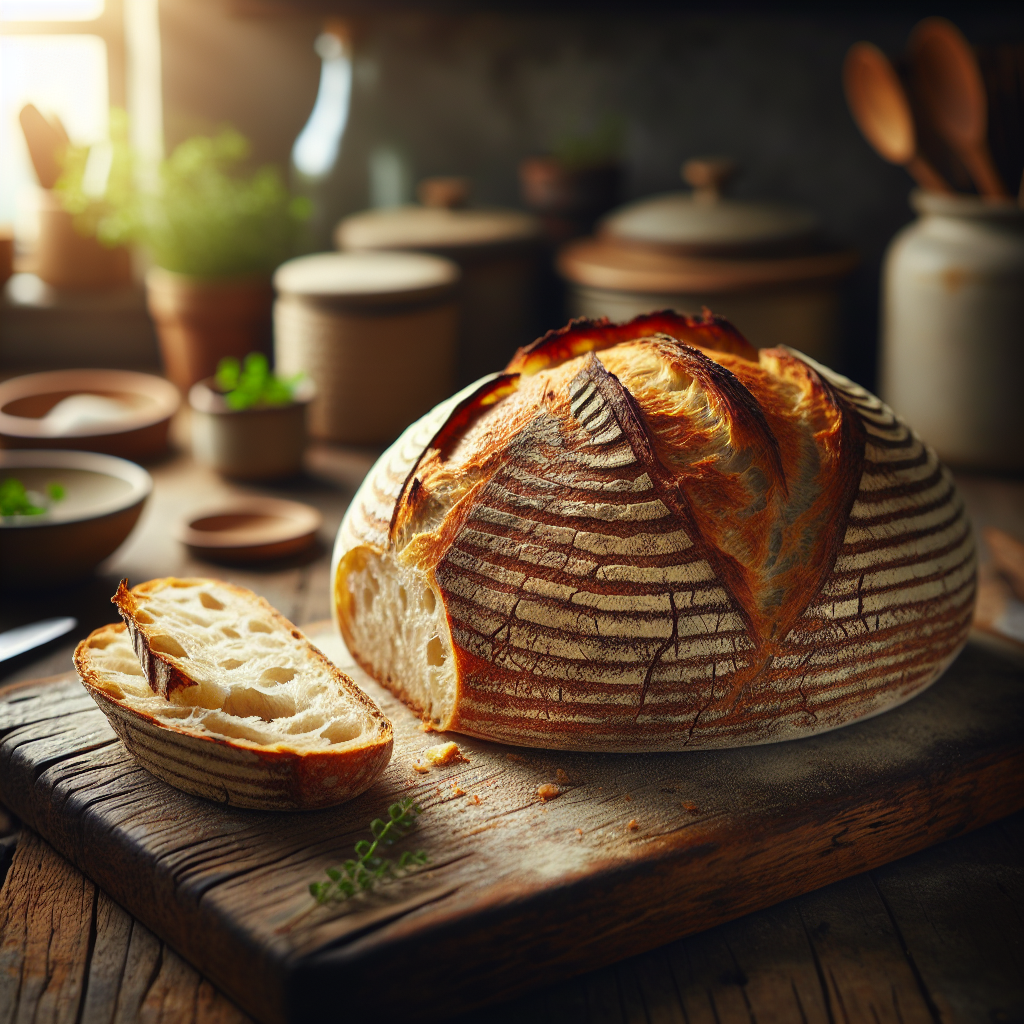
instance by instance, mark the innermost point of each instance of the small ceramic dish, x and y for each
(251, 530)
(116, 412)
(102, 500)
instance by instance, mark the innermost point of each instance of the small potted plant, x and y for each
(247, 422)
(214, 232)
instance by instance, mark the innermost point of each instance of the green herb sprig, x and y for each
(368, 869)
(15, 499)
(253, 382)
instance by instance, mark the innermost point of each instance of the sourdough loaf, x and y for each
(217, 693)
(651, 536)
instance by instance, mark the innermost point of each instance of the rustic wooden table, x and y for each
(937, 936)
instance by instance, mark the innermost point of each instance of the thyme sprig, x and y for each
(368, 869)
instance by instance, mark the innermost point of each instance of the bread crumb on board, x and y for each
(548, 791)
(445, 753)
(690, 807)
(633, 825)
(561, 777)
(442, 754)
(474, 799)
(457, 790)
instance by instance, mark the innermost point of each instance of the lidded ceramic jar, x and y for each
(952, 359)
(762, 265)
(498, 251)
(376, 333)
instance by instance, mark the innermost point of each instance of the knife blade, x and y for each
(24, 638)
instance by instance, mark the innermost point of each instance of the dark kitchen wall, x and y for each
(472, 94)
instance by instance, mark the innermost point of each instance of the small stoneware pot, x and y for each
(199, 321)
(264, 442)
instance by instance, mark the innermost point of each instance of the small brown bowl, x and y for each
(251, 530)
(29, 417)
(103, 501)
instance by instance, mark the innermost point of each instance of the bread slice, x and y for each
(215, 692)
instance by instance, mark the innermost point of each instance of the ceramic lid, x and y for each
(597, 263)
(442, 223)
(368, 277)
(705, 223)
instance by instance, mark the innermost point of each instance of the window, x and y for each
(73, 59)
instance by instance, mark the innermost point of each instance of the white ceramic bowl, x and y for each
(103, 499)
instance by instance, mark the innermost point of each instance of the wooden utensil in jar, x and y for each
(47, 141)
(879, 105)
(948, 84)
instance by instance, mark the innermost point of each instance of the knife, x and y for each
(24, 638)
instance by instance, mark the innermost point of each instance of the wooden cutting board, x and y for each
(636, 851)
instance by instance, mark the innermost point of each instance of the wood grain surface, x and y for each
(933, 938)
(636, 851)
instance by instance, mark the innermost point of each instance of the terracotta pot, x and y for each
(199, 321)
(261, 443)
(66, 259)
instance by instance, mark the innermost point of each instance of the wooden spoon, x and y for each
(949, 86)
(879, 105)
(47, 142)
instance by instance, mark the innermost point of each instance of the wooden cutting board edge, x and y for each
(601, 918)
(861, 838)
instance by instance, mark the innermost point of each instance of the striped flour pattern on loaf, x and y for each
(577, 595)
(898, 604)
(374, 502)
(707, 547)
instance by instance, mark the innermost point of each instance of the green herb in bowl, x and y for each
(253, 383)
(15, 500)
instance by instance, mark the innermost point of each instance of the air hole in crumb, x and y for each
(144, 617)
(101, 642)
(113, 689)
(251, 702)
(164, 644)
(429, 601)
(207, 600)
(435, 652)
(259, 626)
(228, 631)
(230, 663)
(341, 732)
(403, 598)
(277, 674)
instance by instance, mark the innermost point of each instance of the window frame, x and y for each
(109, 26)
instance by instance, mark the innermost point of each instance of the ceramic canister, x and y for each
(952, 360)
(762, 265)
(497, 250)
(376, 332)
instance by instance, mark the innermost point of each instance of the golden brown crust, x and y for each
(651, 536)
(237, 772)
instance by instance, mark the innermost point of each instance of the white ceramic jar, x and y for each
(952, 358)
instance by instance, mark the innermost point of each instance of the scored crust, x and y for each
(215, 692)
(652, 536)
